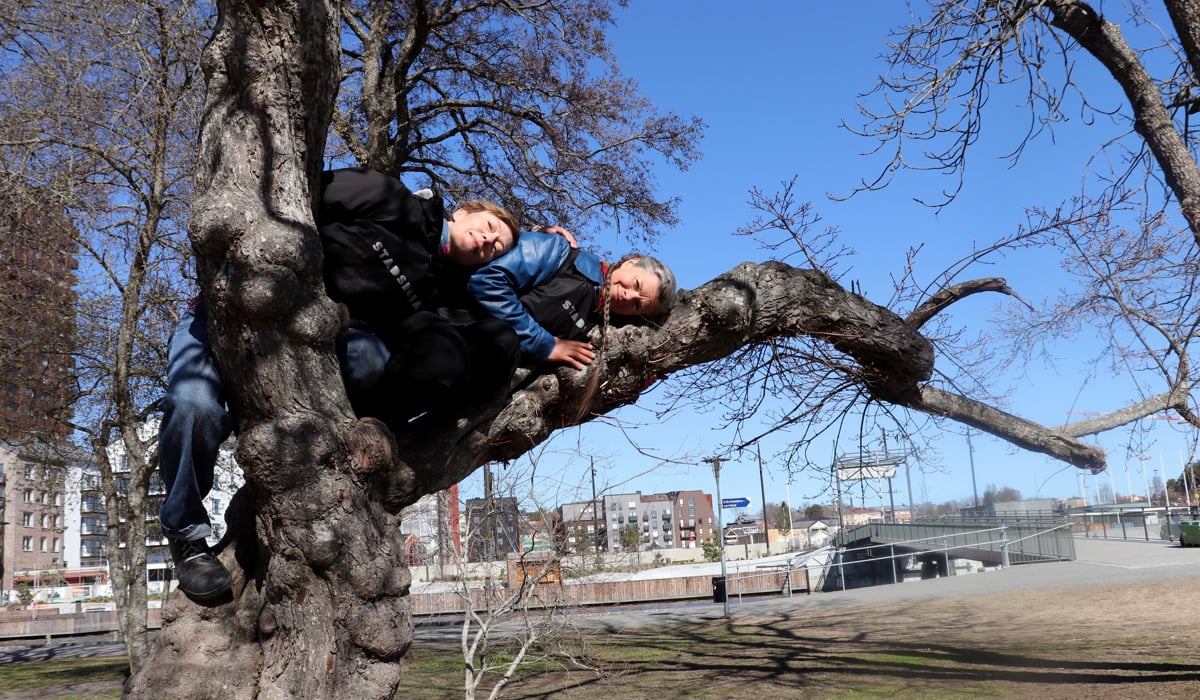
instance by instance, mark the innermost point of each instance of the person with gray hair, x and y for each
(553, 294)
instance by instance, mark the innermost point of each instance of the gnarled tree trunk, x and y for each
(319, 607)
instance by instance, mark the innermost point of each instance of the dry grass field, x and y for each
(1105, 630)
(1125, 641)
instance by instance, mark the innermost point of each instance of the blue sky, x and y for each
(773, 81)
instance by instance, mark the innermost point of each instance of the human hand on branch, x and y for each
(572, 352)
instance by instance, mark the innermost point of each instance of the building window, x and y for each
(28, 496)
(45, 520)
(45, 545)
(58, 499)
(29, 472)
(691, 501)
(26, 544)
(55, 546)
(27, 519)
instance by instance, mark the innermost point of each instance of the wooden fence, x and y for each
(619, 592)
(50, 622)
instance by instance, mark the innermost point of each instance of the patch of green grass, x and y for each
(901, 659)
(1173, 660)
(902, 690)
(633, 652)
(114, 694)
(58, 672)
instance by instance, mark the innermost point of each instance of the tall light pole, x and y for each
(762, 487)
(595, 521)
(971, 457)
(716, 467)
(791, 525)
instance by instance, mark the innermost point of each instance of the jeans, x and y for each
(196, 421)
(363, 359)
(435, 370)
(194, 424)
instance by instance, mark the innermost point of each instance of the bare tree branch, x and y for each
(956, 292)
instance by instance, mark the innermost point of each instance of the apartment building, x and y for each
(493, 528)
(33, 512)
(672, 520)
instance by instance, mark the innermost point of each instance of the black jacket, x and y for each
(381, 243)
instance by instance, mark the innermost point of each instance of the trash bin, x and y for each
(1189, 533)
(719, 595)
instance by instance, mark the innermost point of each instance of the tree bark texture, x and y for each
(750, 303)
(1152, 119)
(319, 607)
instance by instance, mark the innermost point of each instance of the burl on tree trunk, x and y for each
(320, 602)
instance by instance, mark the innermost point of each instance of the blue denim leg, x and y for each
(363, 358)
(194, 424)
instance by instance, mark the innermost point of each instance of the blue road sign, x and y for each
(735, 502)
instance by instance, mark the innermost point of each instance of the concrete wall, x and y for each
(478, 571)
(616, 592)
(50, 622)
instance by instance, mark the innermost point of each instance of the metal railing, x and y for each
(753, 579)
(936, 543)
(1123, 523)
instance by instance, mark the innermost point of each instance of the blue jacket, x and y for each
(538, 259)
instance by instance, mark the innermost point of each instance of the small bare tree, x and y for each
(99, 112)
(506, 626)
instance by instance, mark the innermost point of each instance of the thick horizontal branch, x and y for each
(751, 303)
(1018, 431)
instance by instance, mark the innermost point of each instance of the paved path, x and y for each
(1111, 561)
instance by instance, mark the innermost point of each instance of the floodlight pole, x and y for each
(762, 486)
(716, 467)
(971, 457)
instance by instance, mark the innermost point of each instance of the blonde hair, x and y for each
(472, 206)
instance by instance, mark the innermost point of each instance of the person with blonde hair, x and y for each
(399, 269)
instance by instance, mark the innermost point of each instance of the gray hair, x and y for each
(666, 279)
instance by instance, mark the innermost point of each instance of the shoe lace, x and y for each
(192, 549)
